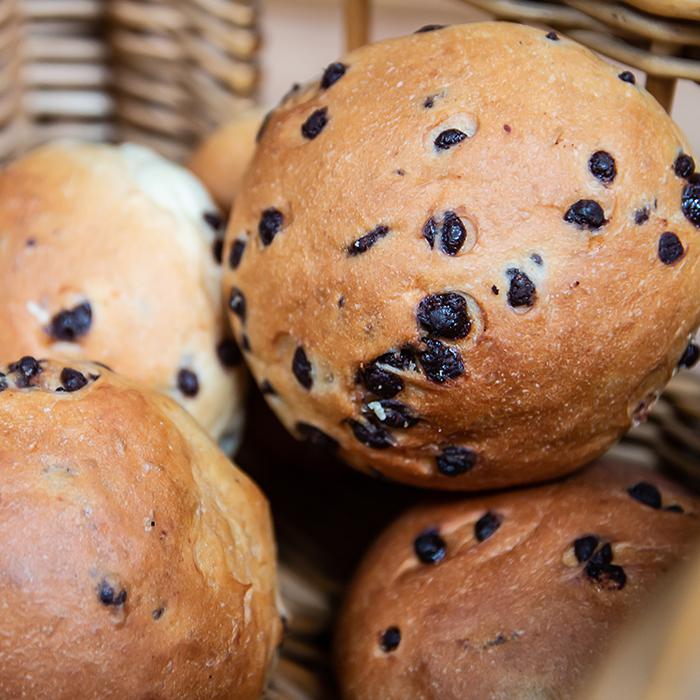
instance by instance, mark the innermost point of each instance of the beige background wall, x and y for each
(303, 36)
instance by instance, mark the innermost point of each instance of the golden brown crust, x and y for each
(516, 615)
(222, 158)
(123, 230)
(545, 388)
(682, 9)
(114, 489)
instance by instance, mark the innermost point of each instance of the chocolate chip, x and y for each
(536, 258)
(610, 576)
(453, 234)
(301, 367)
(228, 352)
(270, 225)
(267, 389)
(586, 214)
(27, 368)
(675, 508)
(522, 291)
(315, 124)
(494, 289)
(380, 381)
(641, 216)
(449, 138)
(371, 435)
(552, 36)
(440, 362)
(444, 315)
(429, 28)
(217, 249)
(584, 547)
(429, 102)
(72, 380)
(364, 243)
(646, 493)
(429, 547)
(71, 324)
(690, 203)
(108, 595)
(214, 220)
(333, 73)
(684, 166)
(187, 382)
(507, 128)
(602, 166)
(395, 414)
(454, 460)
(236, 303)
(157, 613)
(3, 382)
(390, 639)
(234, 257)
(317, 437)
(486, 525)
(603, 556)
(690, 356)
(430, 231)
(670, 248)
(628, 77)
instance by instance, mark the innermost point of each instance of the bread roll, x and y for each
(135, 560)
(681, 9)
(512, 596)
(109, 253)
(466, 257)
(222, 158)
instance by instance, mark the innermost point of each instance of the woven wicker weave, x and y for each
(156, 72)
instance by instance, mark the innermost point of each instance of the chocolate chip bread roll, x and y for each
(113, 254)
(135, 560)
(222, 158)
(511, 596)
(466, 257)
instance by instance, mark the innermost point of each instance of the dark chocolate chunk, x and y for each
(301, 367)
(444, 315)
(429, 547)
(270, 225)
(453, 233)
(646, 493)
(429, 28)
(536, 258)
(522, 291)
(237, 248)
(495, 289)
(449, 138)
(602, 166)
(610, 576)
(333, 73)
(187, 382)
(3, 382)
(690, 202)
(228, 352)
(429, 102)
(217, 249)
(236, 302)
(267, 389)
(552, 36)
(315, 124)
(109, 596)
(440, 362)
(396, 414)
(72, 380)
(690, 356)
(381, 381)
(670, 248)
(586, 214)
(430, 231)
(157, 613)
(584, 547)
(603, 556)
(371, 435)
(628, 77)
(26, 368)
(641, 216)
(684, 166)
(71, 324)
(390, 639)
(215, 220)
(364, 243)
(317, 437)
(455, 460)
(486, 525)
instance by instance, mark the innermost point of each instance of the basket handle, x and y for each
(357, 16)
